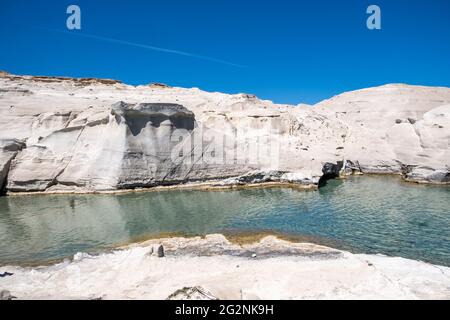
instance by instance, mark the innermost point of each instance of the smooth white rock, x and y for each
(75, 141)
(280, 270)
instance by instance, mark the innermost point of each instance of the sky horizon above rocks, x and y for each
(288, 52)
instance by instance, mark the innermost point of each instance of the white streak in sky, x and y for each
(145, 46)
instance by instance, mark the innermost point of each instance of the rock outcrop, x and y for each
(83, 135)
(214, 268)
(8, 151)
(191, 293)
(396, 129)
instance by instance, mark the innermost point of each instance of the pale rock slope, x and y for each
(214, 268)
(396, 128)
(82, 135)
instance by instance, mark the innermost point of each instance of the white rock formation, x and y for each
(82, 135)
(396, 128)
(214, 268)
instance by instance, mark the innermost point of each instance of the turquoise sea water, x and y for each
(361, 214)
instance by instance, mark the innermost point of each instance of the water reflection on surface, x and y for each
(364, 214)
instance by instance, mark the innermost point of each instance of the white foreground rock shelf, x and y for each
(215, 268)
(88, 135)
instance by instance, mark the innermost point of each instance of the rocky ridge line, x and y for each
(91, 135)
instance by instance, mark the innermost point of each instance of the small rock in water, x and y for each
(254, 255)
(6, 295)
(160, 251)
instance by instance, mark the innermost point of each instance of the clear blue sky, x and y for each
(293, 51)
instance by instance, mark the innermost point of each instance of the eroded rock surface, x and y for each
(8, 151)
(396, 129)
(82, 135)
(214, 268)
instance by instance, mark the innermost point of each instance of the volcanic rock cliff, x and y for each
(64, 134)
